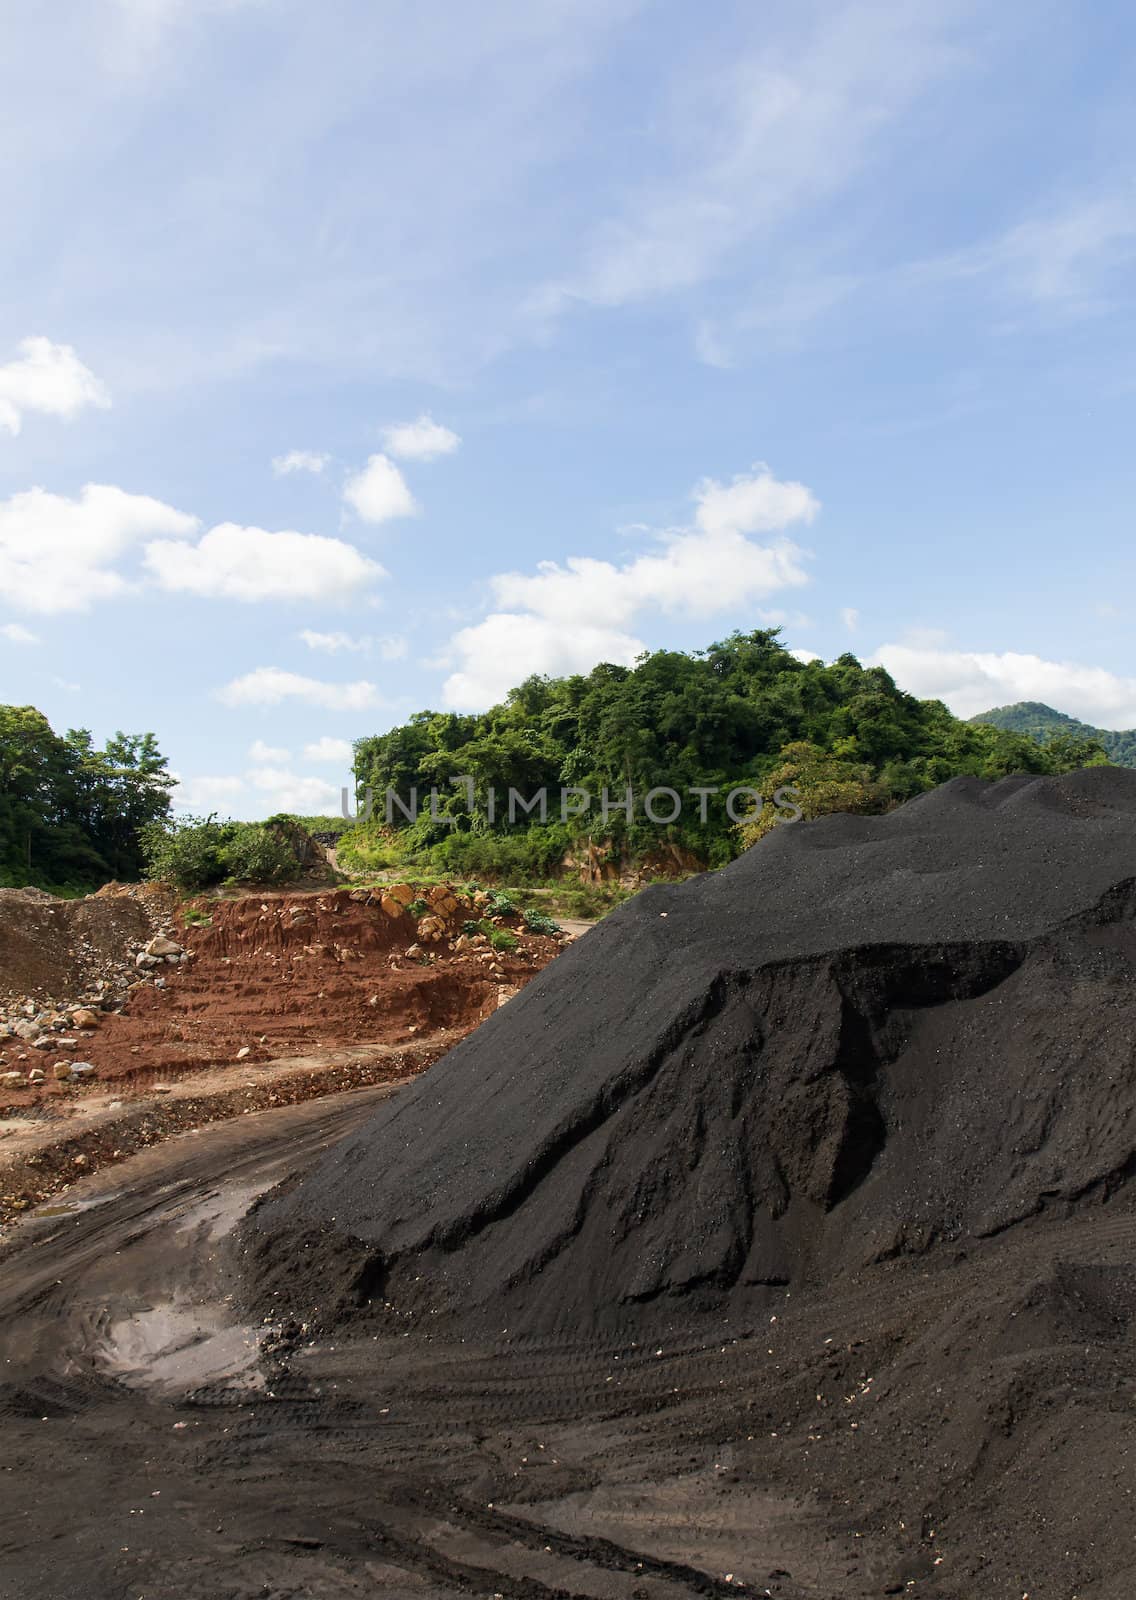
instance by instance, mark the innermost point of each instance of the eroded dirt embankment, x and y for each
(288, 974)
(264, 1000)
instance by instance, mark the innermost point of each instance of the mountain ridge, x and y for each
(1043, 723)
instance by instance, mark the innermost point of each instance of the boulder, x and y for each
(161, 946)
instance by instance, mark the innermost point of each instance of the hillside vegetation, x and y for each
(744, 711)
(71, 815)
(1043, 723)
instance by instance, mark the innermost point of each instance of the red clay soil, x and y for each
(293, 974)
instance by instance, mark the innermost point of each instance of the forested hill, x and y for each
(1042, 722)
(742, 711)
(70, 814)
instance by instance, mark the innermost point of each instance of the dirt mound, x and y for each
(865, 1037)
(53, 950)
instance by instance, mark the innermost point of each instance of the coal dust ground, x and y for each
(159, 1445)
(777, 1239)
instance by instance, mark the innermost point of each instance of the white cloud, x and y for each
(268, 754)
(299, 461)
(15, 634)
(753, 145)
(379, 492)
(235, 563)
(1061, 259)
(506, 648)
(270, 686)
(208, 793)
(805, 656)
(333, 643)
(260, 791)
(57, 554)
(759, 503)
(284, 790)
(420, 441)
(694, 575)
(850, 618)
(329, 749)
(48, 378)
(567, 618)
(970, 681)
(392, 647)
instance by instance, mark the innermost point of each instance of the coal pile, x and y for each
(867, 1039)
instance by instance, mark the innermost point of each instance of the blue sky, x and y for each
(363, 358)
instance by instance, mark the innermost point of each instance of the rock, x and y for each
(392, 907)
(143, 960)
(84, 1018)
(61, 1071)
(37, 1075)
(83, 1069)
(44, 1041)
(12, 1080)
(161, 946)
(28, 1031)
(244, 1052)
(441, 901)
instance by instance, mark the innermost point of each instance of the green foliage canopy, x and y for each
(737, 713)
(1055, 728)
(71, 815)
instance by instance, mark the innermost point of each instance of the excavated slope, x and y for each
(866, 1036)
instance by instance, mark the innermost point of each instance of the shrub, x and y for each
(188, 851)
(200, 852)
(503, 939)
(541, 922)
(256, 854)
